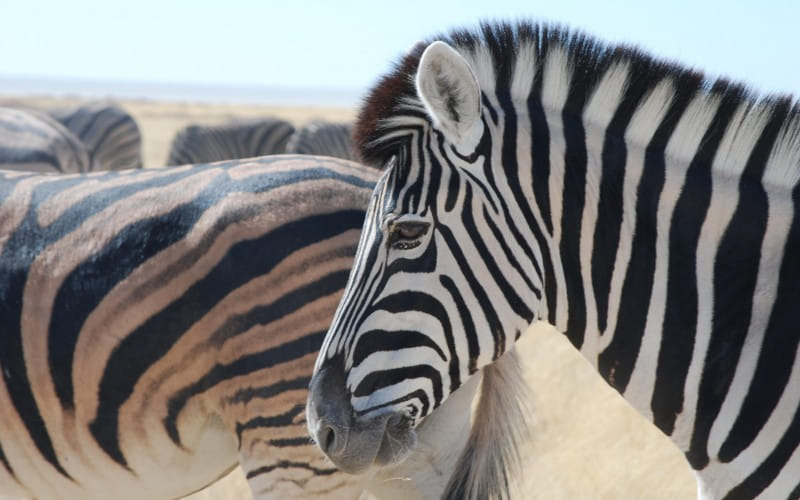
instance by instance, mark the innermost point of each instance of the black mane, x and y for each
(588, 57)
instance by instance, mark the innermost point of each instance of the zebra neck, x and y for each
(635, 218)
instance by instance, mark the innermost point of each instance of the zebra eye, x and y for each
(405, 235)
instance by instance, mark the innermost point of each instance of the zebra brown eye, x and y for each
(405, 235)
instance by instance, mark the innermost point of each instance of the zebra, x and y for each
(323, 138)
(109, 132)
(228, 141)
(159, 326)
(534, 173)
(32, 141)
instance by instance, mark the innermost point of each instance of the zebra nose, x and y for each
(328, 411)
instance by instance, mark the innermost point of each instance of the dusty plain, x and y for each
(585, 441)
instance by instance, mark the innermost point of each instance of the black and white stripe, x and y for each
(109, 133)
(323, 138)
(33, 141)
(160, 326)
(227, 141)
(651, 215)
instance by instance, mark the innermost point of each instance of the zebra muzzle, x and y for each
(351, 442)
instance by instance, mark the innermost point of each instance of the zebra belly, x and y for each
(159, 469)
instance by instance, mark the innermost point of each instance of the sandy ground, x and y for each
(585, 441)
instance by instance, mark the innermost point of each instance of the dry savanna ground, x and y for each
(585, 441)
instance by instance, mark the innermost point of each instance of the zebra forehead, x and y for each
(503, 54)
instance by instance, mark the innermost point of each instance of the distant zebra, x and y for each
(33, 141)
(228, 141)
(109, 132)
(651, 215)
(159, 327)
(323, 138)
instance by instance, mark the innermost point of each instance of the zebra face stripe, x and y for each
(419, 294)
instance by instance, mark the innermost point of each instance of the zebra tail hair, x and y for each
(491, 456)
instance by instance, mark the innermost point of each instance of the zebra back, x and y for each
(109, 132)
(34, 142)
(322, 138)
(237, 139)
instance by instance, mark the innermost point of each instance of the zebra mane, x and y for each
(578, 64)
(491, 458)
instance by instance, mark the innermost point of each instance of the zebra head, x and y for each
(424, 308)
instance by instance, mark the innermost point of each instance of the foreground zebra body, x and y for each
(534, 174)
(34, 142)
(159, 327)
(323, 138)
(109, 133)
(228, 141)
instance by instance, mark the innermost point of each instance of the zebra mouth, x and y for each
(378, 441)
(398, 440)
(354, 443)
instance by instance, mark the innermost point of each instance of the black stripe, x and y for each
(291, 442)
(781, 337)
(478, 237)
(769, 469)
(540, 151)
(286, 464)
(373, 341)
(282, 420)
(735, 275)
(540, 174)
(379, 379)
(477, 288)
(419, 394)
(609, 217)
(244, 365)
(464, 314)
(573, 201)
(247, 394)
(22, 156)
(680, 313)
(614, 158)
(5, 462)
(424, 303)
(153, 339)
(616, 362)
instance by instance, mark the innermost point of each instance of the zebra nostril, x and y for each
(327, 438)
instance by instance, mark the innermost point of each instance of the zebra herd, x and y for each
(100, 136)
(161, 326)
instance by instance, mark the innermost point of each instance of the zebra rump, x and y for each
(229, 141)
(109, 133)
(323, 138)
(34, 142)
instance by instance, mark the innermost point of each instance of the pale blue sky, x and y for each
(347, 44)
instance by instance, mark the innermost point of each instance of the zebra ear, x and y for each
(451, 95)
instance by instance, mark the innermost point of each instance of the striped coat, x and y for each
(110, 134)
(35, 142)
(323, 138)
(228, 141)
